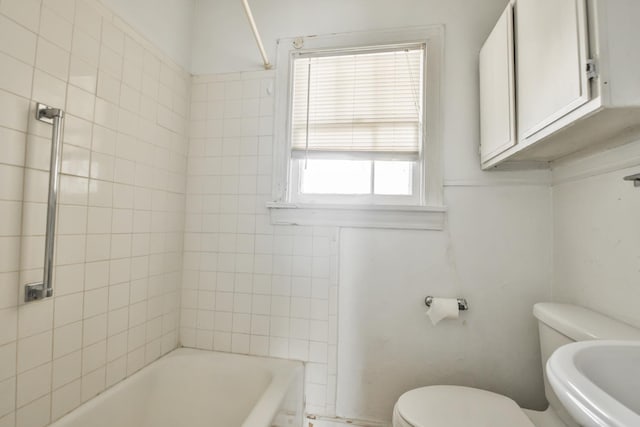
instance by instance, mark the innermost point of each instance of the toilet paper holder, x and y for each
(463, 305)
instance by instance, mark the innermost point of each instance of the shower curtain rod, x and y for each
(252, 22)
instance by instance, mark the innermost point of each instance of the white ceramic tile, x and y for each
(94, 356)
(17, 76)
(33, 384)
(11, 213)
(73, 190)
(95, 302)
(116, 371)
(92, 384)
(99, 220)
(83, 74)
(70, 249)
(9, 318)
(17, 41)
(14, 143)
(68, 309)
(34, 351)
(16, 111)
(7, 361)
(25, 12)
(118, 321)
(88, 19)
(67, 339)
(64, 399)
(116, 346)
(121, 248)
(72, 219)
(259, 345)
(94, 330)
(35, 318)
(55, 28)
(78, 132)
(111, 62)
(113, 37)
(35, 413)
(52, 59)
(98, 247)
(299, 349)
(137, 313)
(80, 102)
(118, 296)
(100, 192)
(67, 369)
(7, 395)
(8, 420)
(106, 114)
(48, 89)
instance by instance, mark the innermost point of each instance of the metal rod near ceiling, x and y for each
(254, 28)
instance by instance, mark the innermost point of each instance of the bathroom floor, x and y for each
(337, 423)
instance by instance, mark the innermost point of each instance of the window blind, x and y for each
(363, 103)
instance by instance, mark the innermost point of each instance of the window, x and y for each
(357, 127)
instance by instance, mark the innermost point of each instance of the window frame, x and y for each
(429, 164)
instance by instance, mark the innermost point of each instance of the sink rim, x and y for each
(578, 393)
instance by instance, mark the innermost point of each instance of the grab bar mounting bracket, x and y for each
(36, 291)
(46, 114)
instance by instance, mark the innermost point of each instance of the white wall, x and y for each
(223, 41)
(597, 233)
(495, 250)
(167, 24)
(120, 219)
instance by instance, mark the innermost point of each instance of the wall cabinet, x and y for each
(497, 89)
(558, 77)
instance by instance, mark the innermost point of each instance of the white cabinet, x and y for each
(497, 89)
(551, 61)
(576, 85)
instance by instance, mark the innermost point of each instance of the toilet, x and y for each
(456, 406)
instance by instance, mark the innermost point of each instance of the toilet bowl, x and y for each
(456, 406)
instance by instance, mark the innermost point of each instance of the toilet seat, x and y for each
(454, 406)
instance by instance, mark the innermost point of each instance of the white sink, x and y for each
(598, 382)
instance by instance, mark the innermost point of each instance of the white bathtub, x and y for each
(196, 388)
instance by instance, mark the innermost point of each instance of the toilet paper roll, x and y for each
(443, 308)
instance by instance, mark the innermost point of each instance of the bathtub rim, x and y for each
(279, 379)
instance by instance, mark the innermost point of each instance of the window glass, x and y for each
(335, 176)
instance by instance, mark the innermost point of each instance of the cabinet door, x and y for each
(497, 98)
(551, 57)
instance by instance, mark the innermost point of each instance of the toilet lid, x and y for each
(453, 406)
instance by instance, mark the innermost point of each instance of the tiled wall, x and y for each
(250, 287)
(121, 212)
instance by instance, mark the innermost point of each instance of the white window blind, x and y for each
(367, 104)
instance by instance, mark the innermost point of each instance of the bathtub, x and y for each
(196, 388)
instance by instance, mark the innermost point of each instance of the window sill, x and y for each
(365, 216)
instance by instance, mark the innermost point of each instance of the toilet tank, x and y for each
(561, 324)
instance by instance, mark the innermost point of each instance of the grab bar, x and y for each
(55, 117)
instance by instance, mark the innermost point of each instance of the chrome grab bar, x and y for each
(55, 117)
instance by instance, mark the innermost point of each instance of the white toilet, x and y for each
(454, 406)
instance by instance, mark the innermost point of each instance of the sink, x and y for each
(598, 382)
